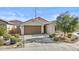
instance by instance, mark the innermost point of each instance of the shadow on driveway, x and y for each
(39, 40)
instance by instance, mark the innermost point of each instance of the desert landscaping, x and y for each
(39, 34)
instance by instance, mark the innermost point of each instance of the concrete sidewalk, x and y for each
(47, 47)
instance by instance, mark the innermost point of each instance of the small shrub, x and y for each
(52, 35)
(15, 31)
(56, 39)
(14, 39)
(2, 30)
(16, 35)
(6, 36)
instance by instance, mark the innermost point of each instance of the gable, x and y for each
(3, 22)
(36, 21)
(15, 22)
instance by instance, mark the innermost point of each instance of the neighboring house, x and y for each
(16, 22)
(8, 25)
(37, 25)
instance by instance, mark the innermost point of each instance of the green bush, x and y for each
(1, 42)
(6, 36)
(14, 38)
(9, 36)
(16, 35)
(2, 30)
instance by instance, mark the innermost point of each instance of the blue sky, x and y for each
(26, 13)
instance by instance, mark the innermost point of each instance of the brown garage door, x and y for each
(32, 30)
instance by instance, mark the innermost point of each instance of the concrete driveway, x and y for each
(39, 38)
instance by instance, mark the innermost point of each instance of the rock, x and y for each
(1, 38)
(18, 44)
(7, 42)
(14, 46)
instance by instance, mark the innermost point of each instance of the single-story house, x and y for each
(37, 25)
(8, 25)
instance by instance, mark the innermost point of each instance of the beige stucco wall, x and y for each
(35, 22)
(50, 28)
(9, 27)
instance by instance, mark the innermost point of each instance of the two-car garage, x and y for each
(32, 29)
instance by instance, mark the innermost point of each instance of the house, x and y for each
(8, 25)
(37, 25)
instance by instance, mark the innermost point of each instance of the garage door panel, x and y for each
(32, 29)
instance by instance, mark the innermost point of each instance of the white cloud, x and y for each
(19, 14)
(53, 17)
(12, 16)
(7, 14)
(75, 13)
